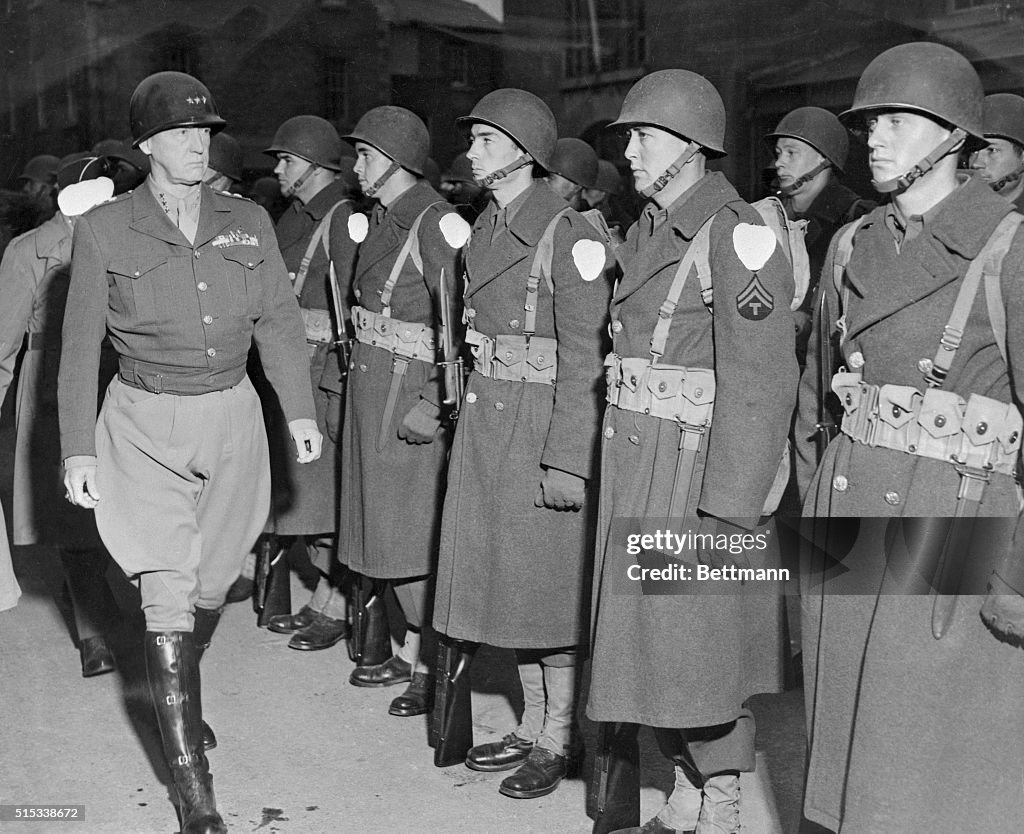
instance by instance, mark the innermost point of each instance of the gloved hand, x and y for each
(560, 490)
(720, 557)
(308, 440)
(1003, 612)
(80, 481)
(421, 424)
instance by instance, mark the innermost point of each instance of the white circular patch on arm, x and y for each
(456, 231)
(753, 244)
(358, 226)
(589, 257)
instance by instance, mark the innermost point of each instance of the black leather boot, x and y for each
(273, 595)
(371, 633)
(172, 666)
(94, 607)
(451, 724)
(206, 620)
(613, 795)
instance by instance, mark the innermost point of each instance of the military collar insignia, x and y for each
(238, 237)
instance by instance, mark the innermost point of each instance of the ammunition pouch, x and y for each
(514, 357)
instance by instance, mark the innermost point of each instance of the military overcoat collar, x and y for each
(885, 282)
(391, 234)
(53, 239)
(642, 257)
(149, 218)
(487, 262)
(325, 198)
(832, 204)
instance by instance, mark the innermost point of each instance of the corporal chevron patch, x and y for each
(755, 302)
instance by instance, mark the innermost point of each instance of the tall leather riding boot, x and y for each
(370, 628)
(93, 604)
(206, 620)
(273, 594)
(172, 667)
(613, 795)
(451, 724)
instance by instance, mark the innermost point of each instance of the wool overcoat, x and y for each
(34, 278)
(691, 660)
(305, 496)
(511, 573)
(909, 732)
(391, 490)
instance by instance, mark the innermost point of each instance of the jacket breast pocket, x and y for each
(139, 283)
(244, 281)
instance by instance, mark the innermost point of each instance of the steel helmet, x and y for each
(310, 138)
(575, 160)
(1003, 117)
(83, 181)
(609, 179)
(525, 118)
(42, 168)
(680, 102)
(226, 156)
(171, 99)
(929, 78)
(820, 129)
(396, 132)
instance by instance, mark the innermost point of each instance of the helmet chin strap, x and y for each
(904, 181)
(501, 173)
(295, 186)
(1009, 179)
(371, 190)
(669, 173)
(801, 181)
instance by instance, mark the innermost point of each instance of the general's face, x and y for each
(371, 165)
(180, 154)
(793, 159)
(288, 170)
(650, 152)
(1001, 158)
(898, 140)
(490, 150)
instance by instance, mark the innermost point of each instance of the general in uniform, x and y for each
(913, 703)
(701, 389)
(183, 279)
(517, 533)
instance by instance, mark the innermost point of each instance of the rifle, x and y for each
(825, 427)
(451, 361)
(341, 340)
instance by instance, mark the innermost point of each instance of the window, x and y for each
(964, 5)
(335, 88)
(456, 64)
(605, 35)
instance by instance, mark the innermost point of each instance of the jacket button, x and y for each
(616, 326)
(940, 420)
(362, 367)
(1013, 438)
(839, 483)
(856, 360)
(540, 358)
(197, 256)
(892, 497)
(471, 397)
(662, 387)
(513, 323)
(508, 355)
(632, 380)
(609, 432)
(634, 439)
(982, 427)
(207, 319)
(699, 393)
(137, 273)
(201, 286)
(248, 264)
(211, 352)
(925, 365)
(896, 411)
(499, 406)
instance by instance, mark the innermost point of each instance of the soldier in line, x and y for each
(313, 235)
(394, 444)
(462, 191)
(224, 170)
(694, 431)
(518, 518)
(183, 279)
(573, 168)
(810, 147)
(908, 692)
(603, 196)
(39, 183)
(1001, 162)
(130, 165)
(33, 291)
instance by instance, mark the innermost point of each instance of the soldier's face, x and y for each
(179, 155)
(288, 170)
(793, 159)
(650, 152)
(898, 140)
(371, 165)
(490, 150)
(1000, 159)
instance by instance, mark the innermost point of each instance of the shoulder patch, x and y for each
(456, 231)
(753, 244)
(358, 226)
(755, 302)
(589, 257)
